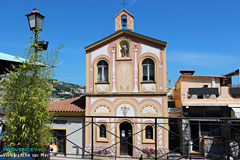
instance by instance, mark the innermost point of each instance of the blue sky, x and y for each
(202, 35)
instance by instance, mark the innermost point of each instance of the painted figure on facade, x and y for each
(124, 49)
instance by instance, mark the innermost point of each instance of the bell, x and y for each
(124, 22)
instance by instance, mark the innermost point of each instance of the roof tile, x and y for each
(76, 104)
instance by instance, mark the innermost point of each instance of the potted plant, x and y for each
(102, 153)
(148, 153)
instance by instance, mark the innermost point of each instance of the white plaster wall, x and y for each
(78, 137)
(101, 51)
(146, 48)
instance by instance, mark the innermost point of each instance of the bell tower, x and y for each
(124, 20)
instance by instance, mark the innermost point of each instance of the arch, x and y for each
(96, 69)
(124, 21)
(148, 135)
(151, 107)
(95, 75)
(126, 139)
(155, 68)
(148, 132)
(103, 107)
(102, 131)
(130, 121)
(148, 70)
(127, 56)
(102, 71)
(131, 102)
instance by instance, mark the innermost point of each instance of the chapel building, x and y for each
(126, 79)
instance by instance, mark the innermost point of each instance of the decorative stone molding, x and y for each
(102, 87)
(148, 87)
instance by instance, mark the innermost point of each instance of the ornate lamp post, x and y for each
(35, 20)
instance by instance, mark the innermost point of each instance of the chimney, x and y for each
(187, 72)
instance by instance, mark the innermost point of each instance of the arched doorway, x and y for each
(126, 140)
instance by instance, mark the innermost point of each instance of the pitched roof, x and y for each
(76, 104)
(124, 10)
(234, 73)
(7, 60)
(121, 33)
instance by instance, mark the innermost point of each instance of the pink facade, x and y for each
(126, 76)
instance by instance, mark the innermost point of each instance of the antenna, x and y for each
(124, 3)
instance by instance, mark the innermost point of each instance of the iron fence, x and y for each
(187, 138)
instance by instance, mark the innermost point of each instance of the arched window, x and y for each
(124, 22)
(149, 132)
(148, 70)
(102, 69)
(102, 132)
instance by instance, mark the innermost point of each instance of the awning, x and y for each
(237, 112)
(236, 109)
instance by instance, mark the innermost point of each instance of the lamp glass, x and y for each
(39, 19)
(32, 21)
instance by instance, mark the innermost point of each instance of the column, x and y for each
(113, 70)
(135, 70)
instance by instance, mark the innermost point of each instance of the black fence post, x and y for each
(92, 138)
(227, 140)
(156, 139)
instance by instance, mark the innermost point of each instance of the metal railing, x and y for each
(189, 138)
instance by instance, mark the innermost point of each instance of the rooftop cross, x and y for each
(124, 3)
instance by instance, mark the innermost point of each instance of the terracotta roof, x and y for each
(76, 104)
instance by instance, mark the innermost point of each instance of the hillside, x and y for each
(63, 90)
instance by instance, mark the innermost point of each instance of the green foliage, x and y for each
(25, 98)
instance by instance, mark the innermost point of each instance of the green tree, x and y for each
(26, 93)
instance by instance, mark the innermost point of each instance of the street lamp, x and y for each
(35, 20)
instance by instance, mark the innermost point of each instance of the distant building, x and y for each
(7, 60)
(67, 130)
(205, 96)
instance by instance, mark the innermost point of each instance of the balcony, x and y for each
(209, 97)
(202, 93)
(235, 90)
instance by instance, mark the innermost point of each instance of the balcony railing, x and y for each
(235, 90)
(203, 91)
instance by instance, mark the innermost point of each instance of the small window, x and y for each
(102, 131)
(149, 132)
(148, 70)
(102, 71)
